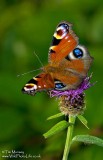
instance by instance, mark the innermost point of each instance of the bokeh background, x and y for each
(28, 26)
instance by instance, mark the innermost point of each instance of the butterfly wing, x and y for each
(63, 42)
(39, 83)
(72, 60)
(78, 61)
(68, 63)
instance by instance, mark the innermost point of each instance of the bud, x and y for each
(71, 106)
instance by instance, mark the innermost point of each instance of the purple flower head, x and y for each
(75, 97)
(73, 92)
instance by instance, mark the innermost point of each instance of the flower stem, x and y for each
(69, 137)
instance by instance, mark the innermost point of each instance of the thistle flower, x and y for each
(72, 101)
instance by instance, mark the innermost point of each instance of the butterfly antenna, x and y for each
(35, 69)
(28, 72)
(38, 59)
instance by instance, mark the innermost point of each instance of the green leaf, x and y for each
(55, 116)
(56, 128)
(83, 120)
(88, 139)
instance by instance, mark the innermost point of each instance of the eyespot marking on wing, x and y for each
(29, 87)
(59, 85)
(61, 31)
(80, 52)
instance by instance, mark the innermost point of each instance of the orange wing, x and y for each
(39, 83)
(64, 41)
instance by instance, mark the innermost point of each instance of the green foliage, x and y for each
(88, 140)
(9, 118)
(83, 120)
(55, 116)
(26, 26)
(56, 128)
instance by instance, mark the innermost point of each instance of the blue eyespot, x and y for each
(59, 85)
(78, 53)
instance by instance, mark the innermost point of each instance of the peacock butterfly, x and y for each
(68, 64)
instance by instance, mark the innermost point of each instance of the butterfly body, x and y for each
(68, 63)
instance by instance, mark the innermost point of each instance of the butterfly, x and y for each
(68, 63)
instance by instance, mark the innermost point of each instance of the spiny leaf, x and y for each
(83, 120)
(55, 116)
(88, 139)
(56, 128)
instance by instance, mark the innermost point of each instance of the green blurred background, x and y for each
(27, 26)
